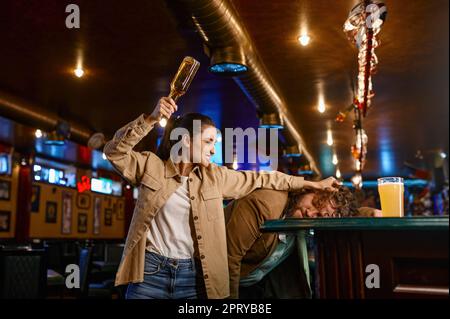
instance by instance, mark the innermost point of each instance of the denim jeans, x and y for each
(169, 278)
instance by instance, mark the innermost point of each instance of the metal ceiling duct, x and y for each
(219, 26)
(32, 115)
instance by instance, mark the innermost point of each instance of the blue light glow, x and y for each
(326, 160)
(279, 127)
(210, 105)
(406, 182)
(387, 162)
(228, 68)
(292, 155)
(305, 172)
(266, 168)
(217, 157)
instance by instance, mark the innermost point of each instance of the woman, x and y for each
(176, 243)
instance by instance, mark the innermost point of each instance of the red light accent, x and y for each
(84, 185)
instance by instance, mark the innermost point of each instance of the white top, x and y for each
(169, 233)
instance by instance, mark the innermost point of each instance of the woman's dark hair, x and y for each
(342, 200)
(186, 121)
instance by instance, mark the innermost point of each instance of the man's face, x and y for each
(306, 209)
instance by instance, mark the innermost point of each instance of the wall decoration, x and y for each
(108, 217)
(35, 198)
(66, 225)
(84, 185)
(83, 201)
(5, 190)
(5, 221)
(82, 222)
(362, 27)
(120, 206)
(51, 212)
(97, 212)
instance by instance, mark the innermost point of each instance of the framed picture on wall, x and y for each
(120, 210)
(66, 225)
(5, 190)
(35, 198)
(51, 212)
(108, 217)
(5, 221)
(82, 222)
(97, 214)
(83, 201)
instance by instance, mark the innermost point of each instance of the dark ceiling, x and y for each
(131, 50)
(410, 108)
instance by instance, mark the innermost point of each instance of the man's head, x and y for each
(321, 203)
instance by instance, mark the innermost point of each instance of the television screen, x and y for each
(49, 175)
(4, 164)
(101, 185)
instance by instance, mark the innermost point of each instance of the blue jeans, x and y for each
(169, 278)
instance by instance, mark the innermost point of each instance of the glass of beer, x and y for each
(391, 195)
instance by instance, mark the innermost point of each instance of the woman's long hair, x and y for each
(187, 122)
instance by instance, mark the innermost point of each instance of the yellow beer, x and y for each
(391, 195)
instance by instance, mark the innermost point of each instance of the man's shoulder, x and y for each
(269, 195)
(270, 203)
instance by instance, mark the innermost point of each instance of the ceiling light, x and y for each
(38, 133)
(304, 39)
(330, 141)
(272, 120)
(79, 72)
(335, 159)
(228, 61)
(338, 174)
(321, 106)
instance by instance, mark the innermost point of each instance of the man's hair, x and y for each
(342, 200)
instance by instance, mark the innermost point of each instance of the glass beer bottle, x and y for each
(181, 81)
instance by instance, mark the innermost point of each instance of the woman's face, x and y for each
(306, 209)
(202, 147)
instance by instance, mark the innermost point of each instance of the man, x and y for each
(258, 262)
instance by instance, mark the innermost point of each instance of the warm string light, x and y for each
(338, 174)
(79, 72)
(362, 27)
(321, 107)
(357, 180)
(335, 159)
(330, 141)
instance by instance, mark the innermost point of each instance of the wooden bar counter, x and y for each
(411, 254)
